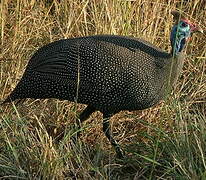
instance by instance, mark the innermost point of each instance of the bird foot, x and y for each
(120, 153)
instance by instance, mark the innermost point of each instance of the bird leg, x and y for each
(108, 133)
(84, 116)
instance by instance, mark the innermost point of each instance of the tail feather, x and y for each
(9, 99)
(13, 97)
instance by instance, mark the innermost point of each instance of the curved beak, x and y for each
(195, 28)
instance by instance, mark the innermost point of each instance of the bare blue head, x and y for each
(181, 31)
(179, 35)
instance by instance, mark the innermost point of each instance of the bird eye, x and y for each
(184, 24)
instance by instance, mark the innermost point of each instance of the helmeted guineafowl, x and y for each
(108, 73)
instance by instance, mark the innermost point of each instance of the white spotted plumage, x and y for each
(116, 73)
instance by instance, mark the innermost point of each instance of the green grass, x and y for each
(167, 141)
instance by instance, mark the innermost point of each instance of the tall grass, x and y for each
(167, 141)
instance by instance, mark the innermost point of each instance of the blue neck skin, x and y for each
(179, 34)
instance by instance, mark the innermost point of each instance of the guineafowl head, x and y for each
(181, 31)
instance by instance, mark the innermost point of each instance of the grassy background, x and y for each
(167, 141)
